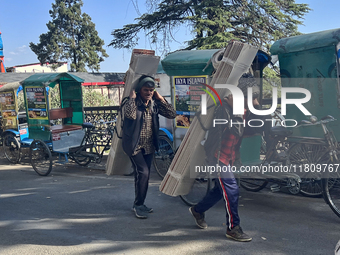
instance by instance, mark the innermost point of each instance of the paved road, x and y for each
(83, 211)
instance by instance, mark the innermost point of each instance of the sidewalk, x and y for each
(78, 210)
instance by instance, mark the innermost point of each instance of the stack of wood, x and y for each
(143, 62)
(236, 60)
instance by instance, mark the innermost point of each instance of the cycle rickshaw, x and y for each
(301, 58)
(14, 122)
(311, 61)
(66, 137)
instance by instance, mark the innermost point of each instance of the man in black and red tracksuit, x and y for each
(140, 135)
(221, 145)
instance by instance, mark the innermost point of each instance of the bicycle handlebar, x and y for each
(324, 120)
(102, 122)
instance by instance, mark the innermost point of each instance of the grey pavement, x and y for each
(79, 210)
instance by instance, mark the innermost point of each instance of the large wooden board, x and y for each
(143, 62)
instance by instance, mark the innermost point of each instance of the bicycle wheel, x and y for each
(11, 148)
(331, 189)
(164, 155)
(198, 191)
(276, 154)
(253, 184)
(41, 157)
(308, 154)
(82, 154)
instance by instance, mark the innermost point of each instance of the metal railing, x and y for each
(106, 113)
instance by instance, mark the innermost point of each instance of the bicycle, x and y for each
(322, 160)
(299, 151)
(275, 155)
(96, 141)
(312, 151)
(164, 156)
(314, 156)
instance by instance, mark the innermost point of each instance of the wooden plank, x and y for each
(143, 62)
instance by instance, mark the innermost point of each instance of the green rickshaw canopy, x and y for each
(311, 61)
(306, 42)
(50, 79)
(189, 62)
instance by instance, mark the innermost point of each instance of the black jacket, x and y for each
(132, 127)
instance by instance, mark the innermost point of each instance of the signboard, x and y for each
(8, 109)
(188, 91)
(36, 103)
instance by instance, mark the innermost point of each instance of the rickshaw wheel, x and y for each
(253, 184)
(310, 154)
(163, 157)
(41, 157)
(11, 148)
(198, 191)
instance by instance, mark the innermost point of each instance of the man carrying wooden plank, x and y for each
(220, 147)
(140, 135)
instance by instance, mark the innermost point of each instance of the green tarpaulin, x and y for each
(311, 61)
(189, 62)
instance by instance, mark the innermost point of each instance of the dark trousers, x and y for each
(225, 187)
(142, 165)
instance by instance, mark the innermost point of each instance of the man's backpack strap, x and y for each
(120, 112)
(198, 115)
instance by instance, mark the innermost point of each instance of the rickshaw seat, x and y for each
(280, 131)
(61, 113)
(87, 125)
(64, 128)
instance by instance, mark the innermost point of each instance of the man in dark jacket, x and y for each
(220, 147)
(140, 135)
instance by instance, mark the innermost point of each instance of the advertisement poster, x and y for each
(8, 109)
(188, 91)
(36, 103)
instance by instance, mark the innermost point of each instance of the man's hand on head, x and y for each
(158, 96)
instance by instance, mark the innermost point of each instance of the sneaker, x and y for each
(237, 234)
(199, 218)
(139, 212)
(147, 209)
(144, 208)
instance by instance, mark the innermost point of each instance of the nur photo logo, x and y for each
(239, 103)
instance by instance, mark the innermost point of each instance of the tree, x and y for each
(214, 22)
(71, 37)
(271, 79)
(92, 98)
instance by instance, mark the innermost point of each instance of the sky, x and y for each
(22, 22)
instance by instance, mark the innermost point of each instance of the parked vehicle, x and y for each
(14, 129)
